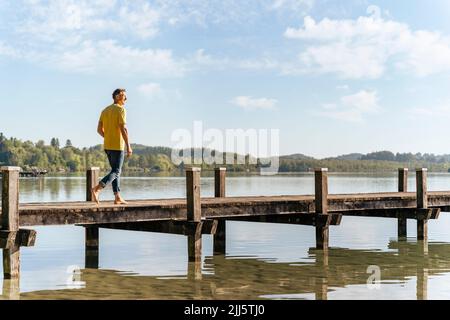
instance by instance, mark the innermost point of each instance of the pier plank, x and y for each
(215, 208)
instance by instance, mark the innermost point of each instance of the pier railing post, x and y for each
(92, 177)
(91, 233)
(321, 204)
(10, 219)
(219, 182)
(219, 241)
(402, 187)
(422, 202)
(194, 213)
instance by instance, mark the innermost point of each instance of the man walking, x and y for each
(112, 127)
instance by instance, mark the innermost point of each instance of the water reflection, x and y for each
(228, 277)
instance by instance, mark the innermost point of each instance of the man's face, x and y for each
(121, 97)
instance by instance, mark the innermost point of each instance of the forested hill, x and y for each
(55, 157)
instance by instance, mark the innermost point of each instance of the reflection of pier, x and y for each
(244, 278)
(195, 216)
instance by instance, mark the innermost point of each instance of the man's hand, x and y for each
(129, 151)
(100, 129)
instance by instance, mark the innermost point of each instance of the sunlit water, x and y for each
(262, 261)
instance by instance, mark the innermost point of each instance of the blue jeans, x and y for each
(115, 158)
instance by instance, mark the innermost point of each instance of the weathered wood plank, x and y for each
(400, 213)
(298, 219)
(171, 226)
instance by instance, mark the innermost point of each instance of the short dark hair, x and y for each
(117, 92)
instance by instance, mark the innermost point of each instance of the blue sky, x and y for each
(333, 76)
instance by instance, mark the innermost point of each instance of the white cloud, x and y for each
(292, 5)
(142, 19)
(367, 46)
(353, 107)
(203, 60)
(250, 103)
(8, 51)
(53, 20)
(150, 90)
(442, 110)
(107, 57)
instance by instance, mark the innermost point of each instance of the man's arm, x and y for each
(124, 131)
(100, 129)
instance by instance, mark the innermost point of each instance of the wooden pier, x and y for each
(194, 216)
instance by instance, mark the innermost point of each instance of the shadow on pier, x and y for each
(227, 277)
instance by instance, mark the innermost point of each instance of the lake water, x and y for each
(262, 261)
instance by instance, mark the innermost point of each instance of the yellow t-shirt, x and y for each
(112, 117)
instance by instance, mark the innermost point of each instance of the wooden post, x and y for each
(402, 187)
(219, 240)
(91, 247)
(194, 212)
(10, 219)
(422, 202)
(91, 233)
(321, 202)
(92, 176)
(219, 182)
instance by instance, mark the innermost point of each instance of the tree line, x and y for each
(55, 157)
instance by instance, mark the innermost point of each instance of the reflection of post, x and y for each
(10, 220)
(321, 202)
(219, 238)
(422, 202)
(194, 215)
(11, 289)
(422, 283)
(402, 187)
(321, 283)
(91, 247)
(195, 270)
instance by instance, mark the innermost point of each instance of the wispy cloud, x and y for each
(8, 51)
(367, 46)
(53, 20)
(107, 57)
(353, 107)
(250, 103)
(150, 90)
(442, 110)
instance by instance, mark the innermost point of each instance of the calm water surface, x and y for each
(262, 261)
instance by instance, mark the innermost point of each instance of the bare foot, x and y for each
(95, 193)
(120, 201)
